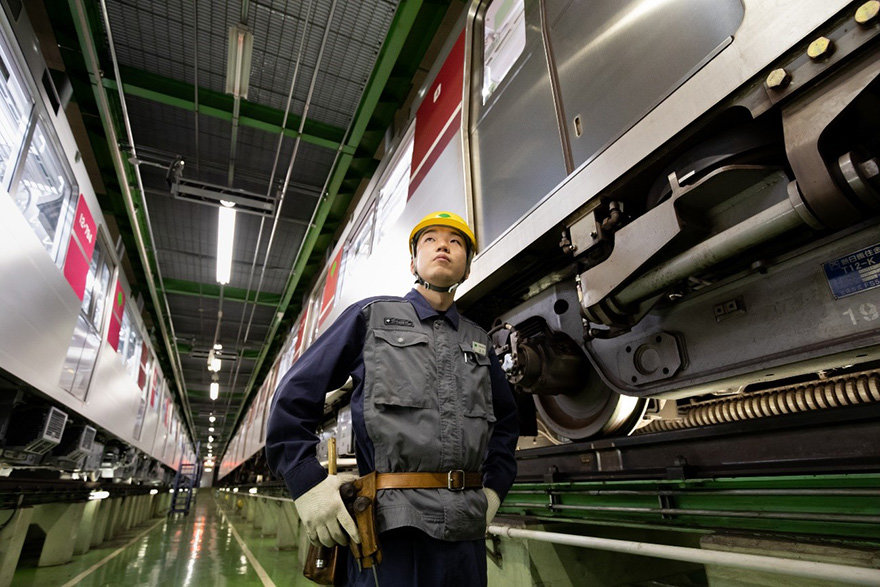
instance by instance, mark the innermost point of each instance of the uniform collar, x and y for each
(425, 311)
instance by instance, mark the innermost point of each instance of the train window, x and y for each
(392, 196)
(44, 189)
(504, 39)
(130, 345)
(360, 244)
(97, 287)
(15, 108)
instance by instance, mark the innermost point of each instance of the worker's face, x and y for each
(441, 256)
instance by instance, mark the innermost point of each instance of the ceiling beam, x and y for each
(215, 291)
(171, 92)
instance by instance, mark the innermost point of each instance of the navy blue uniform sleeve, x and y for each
(499, 468)
(298, 404)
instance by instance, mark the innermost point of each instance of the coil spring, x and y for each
(845, 390)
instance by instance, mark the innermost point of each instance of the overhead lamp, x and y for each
(214, 361)
(154, 491)
(225, 240)
(215, 390)
(238, 60)
(210, 439)
(211, 419)
(210, 429)
(99, 495)
(252, 490)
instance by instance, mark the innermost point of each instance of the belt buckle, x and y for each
(452, 477)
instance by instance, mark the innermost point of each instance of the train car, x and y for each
(676, 207)
(83, 393)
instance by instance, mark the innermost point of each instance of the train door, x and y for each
(83, 350)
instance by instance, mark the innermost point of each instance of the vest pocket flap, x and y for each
(401, 338)
(472, 355)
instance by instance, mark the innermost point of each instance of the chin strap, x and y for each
(450, 289)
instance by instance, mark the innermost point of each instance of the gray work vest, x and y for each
(427, 407)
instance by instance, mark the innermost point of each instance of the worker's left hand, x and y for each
(492, 504)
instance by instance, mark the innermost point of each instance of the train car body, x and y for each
(676, 208)
(83, 392)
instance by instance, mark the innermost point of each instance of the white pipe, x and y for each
(754, 562)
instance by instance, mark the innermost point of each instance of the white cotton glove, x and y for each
(492, 504)
(324, 515)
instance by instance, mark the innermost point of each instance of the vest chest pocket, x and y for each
(403, 363)
(474, 378)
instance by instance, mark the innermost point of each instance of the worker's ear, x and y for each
(412, 265)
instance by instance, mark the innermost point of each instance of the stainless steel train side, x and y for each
(83, 393)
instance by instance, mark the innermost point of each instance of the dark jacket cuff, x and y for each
(304, 476)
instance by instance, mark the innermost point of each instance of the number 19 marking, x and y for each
(867, 311)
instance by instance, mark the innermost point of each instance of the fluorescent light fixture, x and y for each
(99, 495)
(154, 491)
(225, 240)
(209, 445)
(211, 419)
(252, 490)
(208, 469)
(211, 429)
(214, 362)
(210, 439)
(235, 490)
(238, 60)
(218, 347)
(215, 390)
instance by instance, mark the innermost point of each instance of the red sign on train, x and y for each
(80, 248)
(439, 116)
(330, 288)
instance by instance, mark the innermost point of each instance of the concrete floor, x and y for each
(202, 548)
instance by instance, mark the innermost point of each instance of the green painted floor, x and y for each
(194, 550)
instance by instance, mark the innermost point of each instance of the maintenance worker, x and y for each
(429, 396)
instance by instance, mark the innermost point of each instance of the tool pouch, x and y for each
(325, 566)
(360, 499)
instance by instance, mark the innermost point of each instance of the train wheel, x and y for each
(595, 410)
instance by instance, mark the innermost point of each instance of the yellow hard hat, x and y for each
(448, 219)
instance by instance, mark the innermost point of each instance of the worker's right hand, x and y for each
(324, 515)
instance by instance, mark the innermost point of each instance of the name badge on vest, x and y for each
(399, 322)
(479, 348)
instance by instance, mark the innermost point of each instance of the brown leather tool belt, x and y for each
(452, 480)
